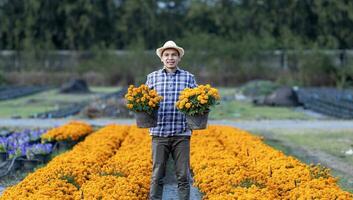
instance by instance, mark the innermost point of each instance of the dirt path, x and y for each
(170, 190)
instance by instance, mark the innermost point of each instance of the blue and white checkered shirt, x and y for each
(170, 122)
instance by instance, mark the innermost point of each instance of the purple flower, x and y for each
(17, 143)
(20, 150)
(23, 149)
(26, 131)
(18, 138)
(12, 143)
(34, 135)
(38, 149)
(11, 153)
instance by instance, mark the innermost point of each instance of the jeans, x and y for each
(179, 148)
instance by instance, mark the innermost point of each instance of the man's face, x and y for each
(170, 58)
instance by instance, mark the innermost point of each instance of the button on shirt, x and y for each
(170, 121)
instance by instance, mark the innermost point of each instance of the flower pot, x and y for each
(29, 164)
(3, 156)
(197, 122)
(145, 120)
(42, 158)
(65, 145)
(17, 164)
(34, 141)
(55, 146)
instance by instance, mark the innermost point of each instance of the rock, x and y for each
(283, 96)
(258, 100)
(111, 107)
(75, 86)
(257, 88)
(92, 112)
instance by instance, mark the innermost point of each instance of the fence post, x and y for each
(284, 59)
(343, 58)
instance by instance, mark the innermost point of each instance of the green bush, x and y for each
(317, 70)
(259, 88)
(120, 69)
(344, 77)
(227, 67)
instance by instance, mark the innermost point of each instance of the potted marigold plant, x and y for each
(195, 103)
(145, 103)
(67, 135)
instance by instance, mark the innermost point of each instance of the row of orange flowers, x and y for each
(227, 163)
(127, 174)
(74, 130)
(66, 173)
(230, 163)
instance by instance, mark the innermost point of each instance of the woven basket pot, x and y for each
(145, 120)
(197, 122)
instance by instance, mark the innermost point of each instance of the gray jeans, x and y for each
(179, 148)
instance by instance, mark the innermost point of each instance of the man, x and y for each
(171, 135)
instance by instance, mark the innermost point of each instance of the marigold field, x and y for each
(227, 163)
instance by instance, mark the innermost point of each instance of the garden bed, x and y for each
(11, 92)
(226, 163)
(25, 149)
(50, 102)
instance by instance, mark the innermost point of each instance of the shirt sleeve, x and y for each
(193, 83)
(149, 82)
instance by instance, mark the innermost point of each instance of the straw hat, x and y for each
(170, 45)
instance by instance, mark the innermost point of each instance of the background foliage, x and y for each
(117, 24)
(218, 35)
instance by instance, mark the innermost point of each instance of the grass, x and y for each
(226, 91)
(247, 111)
(334, 143)
(345, 182)
(231, 109)
(330, 142)
(47, 101)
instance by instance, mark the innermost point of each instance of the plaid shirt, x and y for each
(170, 122)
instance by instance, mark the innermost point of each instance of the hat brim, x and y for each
(161, 49)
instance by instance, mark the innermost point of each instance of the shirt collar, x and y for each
(176, 71)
